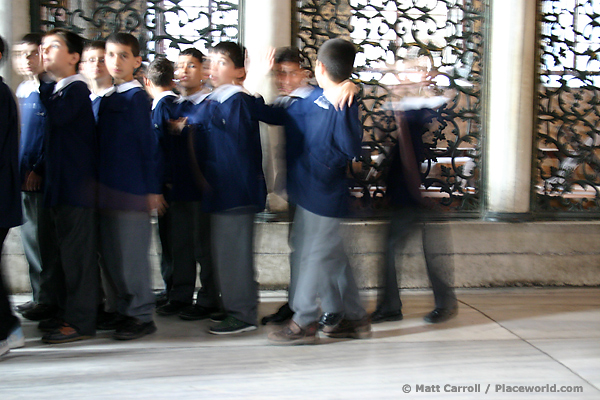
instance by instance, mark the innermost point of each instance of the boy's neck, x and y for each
(190, 91)
(124, 80)
(100, 85)
(63, 75)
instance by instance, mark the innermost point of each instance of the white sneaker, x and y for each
(4, 348)
(16, 339)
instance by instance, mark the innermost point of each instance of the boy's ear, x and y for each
(138, 62)
(74, 58)
(240, 73)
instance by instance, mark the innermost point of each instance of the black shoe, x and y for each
(49, 325)
(41, 312)
(349, 329)
(162, 298)
(441, 315)
(218, 316)
(381, 316)
(281, 316)
(171, 308)
(196, 312)
(21, 308)
(330, 320)
(109, 321)
(133, 328)
(65, 334)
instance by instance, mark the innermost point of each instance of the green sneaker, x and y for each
(231, 325)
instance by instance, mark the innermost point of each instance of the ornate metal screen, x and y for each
(412, 53)
(162, 26)
(568, 164)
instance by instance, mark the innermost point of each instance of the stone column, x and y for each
(14, 23)
(510, 110)
(266, 24)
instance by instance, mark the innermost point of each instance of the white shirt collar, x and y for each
(63, 83)
(224, 92)
(104, 92)
(123, 87)
(27, 87)
(195, 98)
(161, 96)
(302, 91)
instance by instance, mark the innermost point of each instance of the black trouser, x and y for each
(437, 249)
(7, 319)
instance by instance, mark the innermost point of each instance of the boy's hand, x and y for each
(176, 126)
(33, 182)
(157, 202)
(344, 94)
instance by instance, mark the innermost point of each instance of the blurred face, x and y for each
(223, 71)
(191, 73)
(93, 65)
(31, 60)
(56, 57)
(289, 77)
(17, 61)
(121, 62)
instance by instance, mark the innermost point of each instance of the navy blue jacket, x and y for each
(33, 129)
(129, 152)
(320, 143)
(181, 180)
(230, 151)
(10, 194)
(70, 147)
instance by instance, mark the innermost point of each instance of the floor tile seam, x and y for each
(531, 345)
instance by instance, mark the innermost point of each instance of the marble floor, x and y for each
(527, 339)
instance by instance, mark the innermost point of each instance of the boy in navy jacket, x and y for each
(128, 187)
(28, 64)
(231, 160)
(70, 151)
(10, 205)
(185, 229)
(327, 139)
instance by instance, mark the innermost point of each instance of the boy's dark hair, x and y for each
(161, 72)
(191, 51)
(2, 48)
(32, 38)
(236, 52)
(288, 54)
(337, 55)
(125, 39)
(73, 41)
(95, 45)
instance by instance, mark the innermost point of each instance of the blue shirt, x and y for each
(33, 128)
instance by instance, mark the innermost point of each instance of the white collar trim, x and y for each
(161, 96)
(63, 83)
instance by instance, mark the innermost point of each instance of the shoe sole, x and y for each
(17, 344)
(242, 330)
(388, 319)
(69, 340)
(187, 317)
(147, 331)
(360, 334)
(296, 342)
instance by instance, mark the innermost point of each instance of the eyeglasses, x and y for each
(94, 59)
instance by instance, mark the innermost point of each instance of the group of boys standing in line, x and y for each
(93, 165)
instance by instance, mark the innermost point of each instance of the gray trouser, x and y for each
(73, 237)
(437, 243)
(323, 270)
(233, 255)
(125, 241)
(30, 232)
(186, 237)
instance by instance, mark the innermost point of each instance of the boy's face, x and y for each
(31, 62)
(121, 62)
(190, 72)
(289, 77)
(223, 71)
(93, 65)
(56, 57)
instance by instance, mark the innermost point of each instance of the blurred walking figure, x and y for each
(409, 211)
